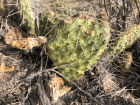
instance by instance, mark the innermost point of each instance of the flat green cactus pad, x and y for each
(28, 16)
(125, 40)
(47, 23)
(78, 40)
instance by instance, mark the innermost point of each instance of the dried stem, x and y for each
(45, 70)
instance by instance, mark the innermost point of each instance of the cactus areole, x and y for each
(78, 40)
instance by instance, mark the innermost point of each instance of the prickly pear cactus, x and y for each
(63, 8)
(125, 40)
(78, 40)
(47, 22)
(28, 15)
(49, 19)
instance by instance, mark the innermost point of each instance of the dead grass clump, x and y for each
(14, 34)
(29, 43)
(57, 88)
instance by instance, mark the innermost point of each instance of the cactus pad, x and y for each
(125, 40)
(78, 40)
(28, 16)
